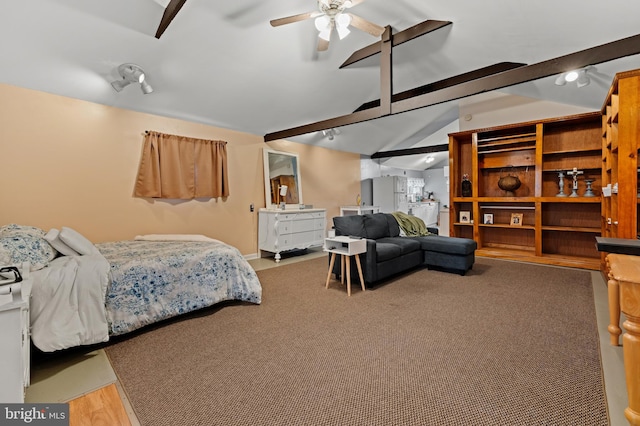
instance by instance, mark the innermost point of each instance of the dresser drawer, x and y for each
(303, 225)
(284, 227)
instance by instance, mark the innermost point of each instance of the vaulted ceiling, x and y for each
(221, 63)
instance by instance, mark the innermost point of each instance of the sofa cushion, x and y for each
(376, 226)
(452, 245)
(387, 251)
(407, 245)
(350, 225)
(394, 226)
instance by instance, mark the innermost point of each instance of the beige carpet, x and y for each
(508, 344)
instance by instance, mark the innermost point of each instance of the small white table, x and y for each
(345, 247)
(348, 210)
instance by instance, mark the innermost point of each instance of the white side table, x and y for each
(348, 210)
(345, 247)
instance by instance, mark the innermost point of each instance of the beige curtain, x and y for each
(183, 168)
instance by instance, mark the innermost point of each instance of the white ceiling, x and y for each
(221, 63)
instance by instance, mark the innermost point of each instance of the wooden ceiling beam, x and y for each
(595, 55)
(592, 56)
(402, 37)
(448, 82)
(411, 151)
(170, 12)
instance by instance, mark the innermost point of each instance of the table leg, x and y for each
(630, 302)
(360, 271)
(333, 260)
(613, 290)
(342, 269)
(348, 261)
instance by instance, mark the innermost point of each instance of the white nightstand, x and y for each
(345, 247)
(16, 342)
(349, 210)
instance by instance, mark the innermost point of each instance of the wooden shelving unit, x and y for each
(620, 150)
(554, 230)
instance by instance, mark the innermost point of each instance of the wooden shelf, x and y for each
(587, 200)
(554, 199)
(554, 230)
(506, 225)
(620, 147)
(547, 259)
(571, 151)
(571, 229)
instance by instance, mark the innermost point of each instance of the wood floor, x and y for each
(98, 408)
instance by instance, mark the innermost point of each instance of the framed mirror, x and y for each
(282, 179)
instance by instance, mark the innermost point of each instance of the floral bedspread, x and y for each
(154, 280)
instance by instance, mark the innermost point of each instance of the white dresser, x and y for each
(16, 343)
(283, 230)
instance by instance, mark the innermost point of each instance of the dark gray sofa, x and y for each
(389, 254)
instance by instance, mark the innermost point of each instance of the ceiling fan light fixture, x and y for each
(323, 23)
(343, 20)
(325, 34)
(342, 32)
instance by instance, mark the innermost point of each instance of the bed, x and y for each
(83, 293)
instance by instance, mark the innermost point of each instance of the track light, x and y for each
(580, 76)
(583, 78)
(330, 133)
(131, 73)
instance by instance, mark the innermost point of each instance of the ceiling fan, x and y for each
(331, 14)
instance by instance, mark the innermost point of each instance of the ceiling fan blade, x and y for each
(323, 44)
(366, 26)
(355, 3)
(170, 12)
(292, 19)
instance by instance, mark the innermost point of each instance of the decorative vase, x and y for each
(466, 186)
(509, 183)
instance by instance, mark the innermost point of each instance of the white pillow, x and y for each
(77, 241)
(53, 236)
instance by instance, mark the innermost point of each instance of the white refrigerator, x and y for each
(390, 194)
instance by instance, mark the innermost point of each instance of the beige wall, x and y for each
(67, 162)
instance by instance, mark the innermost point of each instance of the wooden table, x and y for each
(624, 295)
(345, 247)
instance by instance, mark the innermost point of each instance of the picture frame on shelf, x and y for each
(488, 219)
(465, 217)
(516, 219)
